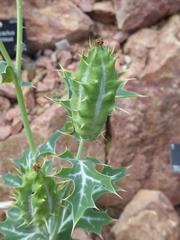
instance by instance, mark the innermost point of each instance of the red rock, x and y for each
(55, 21)
(50, 22)
(44, 62)
(4, 103)
(64, 58)
(29, 98)
(2, 120)
(49, 82)
(72, 66)
(103, 12)
(28, 75)
(151, 216)
(142, 139)
(81, 235)
(5, 131)
(42, 101)
(48, 52)
(85, 5)
(12, 113)
(16, 126)
(132, 14)
(51, 119)
(7, 90)
(121, 37)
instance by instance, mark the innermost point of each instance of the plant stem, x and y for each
(20, 99)
(17, 77)
(19, 93)
(5, 54)
(80, 149)
(24, 116)
(19, 36)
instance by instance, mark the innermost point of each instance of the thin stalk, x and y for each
(19, 93)
(80, 149)
(16, 77)
(5, 54)
(24, 115)
(19, 8)
(20, 99)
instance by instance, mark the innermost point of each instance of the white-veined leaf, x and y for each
(85, 179)
(12, 180)
(13, 228)
(93, 221)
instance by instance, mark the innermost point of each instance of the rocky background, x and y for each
(145, 36)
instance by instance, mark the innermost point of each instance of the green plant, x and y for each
(49, 203)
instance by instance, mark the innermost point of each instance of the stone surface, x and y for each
(12, 113)
(81, 235)
(103, 12)
(49, 82)
(7, 90)
(5, 131)
(142, 139)
(132, 14)
(85, 5)
(150, 216)
(4, 104)
(64, 58)
(47, 22)
(55, 21)
(16, 126)
(62, 44)
(29, 98)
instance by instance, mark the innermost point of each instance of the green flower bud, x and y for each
(94, 87)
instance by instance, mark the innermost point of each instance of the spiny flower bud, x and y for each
(94, 87)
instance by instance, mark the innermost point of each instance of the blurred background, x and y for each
(145, 36)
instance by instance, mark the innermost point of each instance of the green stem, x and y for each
(19, 93)
(16, 77)
(5, 54)
(80, 149)
(19, 36)
(53, 236)
(24, 116)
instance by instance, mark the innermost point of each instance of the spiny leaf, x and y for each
(93, 221)
(65, 235)
(66, 219)
(123, 93)
(3, 66)
(7, 72)
(28, 158)
(12, 180)
(68, 82)
(65, 103)
(85, 178)
(48, 166)
(13, 228)
(49, 146)
(115, 174)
